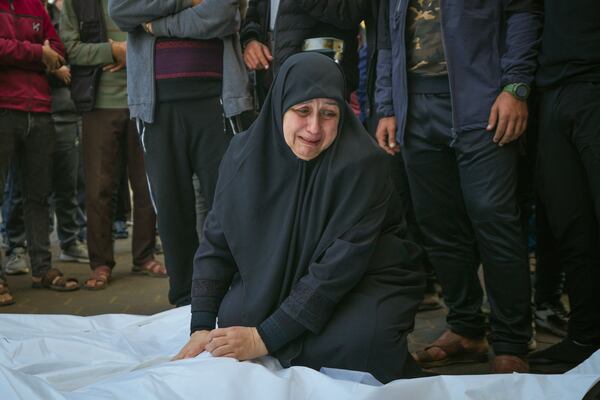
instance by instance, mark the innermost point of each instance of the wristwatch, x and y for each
(519, 90)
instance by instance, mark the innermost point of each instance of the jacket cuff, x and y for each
(105, 53)
(159, 27)
(278, 330)
(36, 50)
(202, 320)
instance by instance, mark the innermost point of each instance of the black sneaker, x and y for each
(552, 317)
(120, 230)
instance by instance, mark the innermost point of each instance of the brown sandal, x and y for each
(55, 280)
(455, 353)
(152, 268)
(100, 275)
(4, 291)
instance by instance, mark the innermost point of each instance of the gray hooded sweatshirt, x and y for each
(177, 18)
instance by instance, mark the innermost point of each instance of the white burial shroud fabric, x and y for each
(127, 357)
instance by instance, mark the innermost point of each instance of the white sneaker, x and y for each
(77, 252)
(17, 262)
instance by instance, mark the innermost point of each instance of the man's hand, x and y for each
(119, 53)
(196, 345)
(386, 135)
(196, 2)
(239, 342)
(257, 55)
(508, 117)
(64, 74)
(50, 58)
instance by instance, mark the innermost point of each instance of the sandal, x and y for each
(55, 280)
(454, 350)
(5, 292)
(100, 276)
(152, 268)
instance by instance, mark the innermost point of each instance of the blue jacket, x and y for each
(488, 44)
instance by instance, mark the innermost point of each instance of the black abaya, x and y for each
(308, 251)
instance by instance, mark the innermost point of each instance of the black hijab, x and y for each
(301, 233)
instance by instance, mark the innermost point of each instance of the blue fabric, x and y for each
(487, 44)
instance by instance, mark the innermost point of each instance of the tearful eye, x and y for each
(329, 113)
(303, 111)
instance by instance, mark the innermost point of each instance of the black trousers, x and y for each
(65, 163)
(187, 137)
(107, 133)
(569, 188)
(30, 137)
(463, 188)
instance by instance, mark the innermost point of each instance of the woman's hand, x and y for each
(196, 345)
(239, 342)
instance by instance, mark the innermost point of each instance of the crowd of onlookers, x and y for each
(489, 111)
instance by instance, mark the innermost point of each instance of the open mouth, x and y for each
(309, 142)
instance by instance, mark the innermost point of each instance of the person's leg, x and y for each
(16, 253)
(64, 182)
(144, 217)
(201, 208)
(431, 299)
(569, 187)
(11, 123)
(167, 162)
(207, 144)
(436, 194)
(549, 312)
(379, 312)
(488, 176)
(102, 130)
(81, 212)
(121, 197)
(36, 165)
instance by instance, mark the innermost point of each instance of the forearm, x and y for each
(21, 54)
(81, 53)
(278, 330)
(214, 269)
(383, 84)
(130, 14)
(523, 35)
(210, 19)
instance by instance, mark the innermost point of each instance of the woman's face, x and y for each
(310, 127)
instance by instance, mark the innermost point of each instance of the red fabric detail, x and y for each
(23, 80)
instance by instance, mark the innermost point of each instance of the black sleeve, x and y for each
(252, 27)
(344, 14)
(214, 268)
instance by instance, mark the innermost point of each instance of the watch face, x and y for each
(521, 91)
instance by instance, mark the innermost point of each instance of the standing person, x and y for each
(65, 161)
(97, 50)
(274, 30)
(451, 89)
(569, 167)
(186, 75)
(29, 47)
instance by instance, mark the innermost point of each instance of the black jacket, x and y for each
(298, 20)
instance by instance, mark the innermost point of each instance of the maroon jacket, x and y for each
(24, 25)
